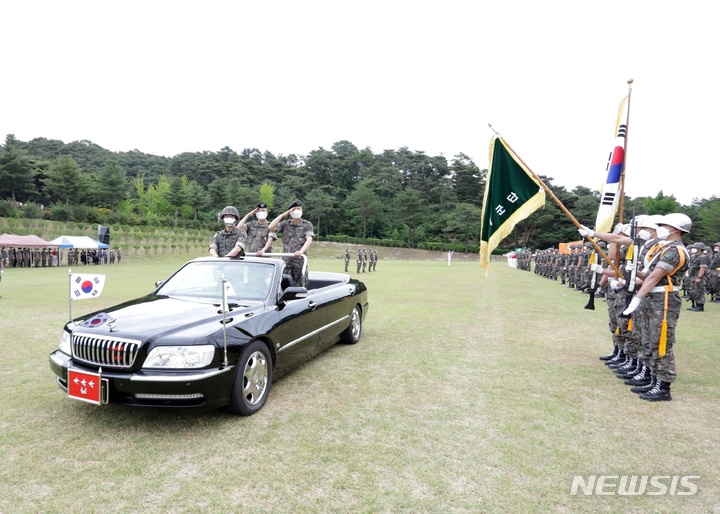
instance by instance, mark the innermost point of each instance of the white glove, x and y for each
(596, 268)
(584, 231)
(629, 266)
(633, 305)
(618, 228)
(617, 284)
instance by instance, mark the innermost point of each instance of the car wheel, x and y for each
(352, 333)
(253, 380)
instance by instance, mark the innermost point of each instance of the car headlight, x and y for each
(65, 345)
(180, 357)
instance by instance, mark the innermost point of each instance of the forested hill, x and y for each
(399, 195)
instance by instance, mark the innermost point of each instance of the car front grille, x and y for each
(105, 351)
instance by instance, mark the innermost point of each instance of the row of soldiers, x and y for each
(365, 260)
(702, 278)
(28, 258)
(642, 322)
(50, 257)
(571, 268)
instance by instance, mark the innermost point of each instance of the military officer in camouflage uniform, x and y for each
(359, 259)
(347, 258)
(364, 259)
(714, 277)
(297, 237)
(659, 298)
(697, 276)
(231, 240)
(258, 230)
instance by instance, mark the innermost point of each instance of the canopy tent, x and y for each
(82, 242)
(30, 241)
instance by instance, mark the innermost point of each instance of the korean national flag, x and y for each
(84, 286)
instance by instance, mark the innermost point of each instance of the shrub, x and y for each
(8, 210)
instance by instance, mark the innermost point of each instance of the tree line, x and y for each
(396, 197)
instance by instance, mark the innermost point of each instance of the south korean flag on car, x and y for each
(84, 286)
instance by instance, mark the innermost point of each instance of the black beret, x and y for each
(261, 205)
(296, 203)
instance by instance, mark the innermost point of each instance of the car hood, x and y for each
(164, 318)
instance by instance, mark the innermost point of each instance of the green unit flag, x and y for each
(512, 193)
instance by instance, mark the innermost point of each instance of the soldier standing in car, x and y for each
(258, 231)
(231, 240)
(297, 237)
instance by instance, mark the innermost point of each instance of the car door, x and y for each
(300, 323)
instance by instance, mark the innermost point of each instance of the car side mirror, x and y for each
(293, 293)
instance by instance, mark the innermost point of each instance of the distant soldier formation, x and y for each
(366, 260)
(657, 271)
(49, 257)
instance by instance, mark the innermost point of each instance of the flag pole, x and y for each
(621, 205)
(559, 203)
(70, 292)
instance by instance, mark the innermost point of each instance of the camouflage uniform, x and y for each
(714, 278)
(670, 259)
(294, 237)
(699, 264)
(347, 259)
(224, 241)
(364, 260)
(257, 235)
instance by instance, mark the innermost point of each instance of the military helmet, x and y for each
(588, 244)
(677, 220)
(230, 210)
(602, 244)
(716, 244)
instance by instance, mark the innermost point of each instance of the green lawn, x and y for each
(466, 394)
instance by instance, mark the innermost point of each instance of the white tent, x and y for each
(82, 242)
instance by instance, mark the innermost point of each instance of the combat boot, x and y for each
(641, 379)
(630, 372)
(659, 393)
(698, 308)
(628, 367)
(620, 357)
(608, 357)
(620, 363)
(644, 389)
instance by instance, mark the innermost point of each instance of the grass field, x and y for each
(466, 394)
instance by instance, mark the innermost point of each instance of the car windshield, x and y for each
(243, 280)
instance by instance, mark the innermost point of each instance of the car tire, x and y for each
(253, 379)
(353, 332)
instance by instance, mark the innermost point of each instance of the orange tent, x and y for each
(565, 247)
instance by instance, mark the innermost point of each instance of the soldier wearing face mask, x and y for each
(258, 230)
(230, 241)
(630, 358)
(659, 298)
(297, 237)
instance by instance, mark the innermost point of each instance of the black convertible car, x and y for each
(215, 333)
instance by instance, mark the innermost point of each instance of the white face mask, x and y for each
(644, 234)
(694, 250)
(297, 213)
(229, 221)
(662, 232)
(261, 215)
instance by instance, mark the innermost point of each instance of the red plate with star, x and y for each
(87, 387)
